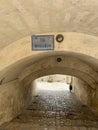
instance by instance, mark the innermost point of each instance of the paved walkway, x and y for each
(54, 110)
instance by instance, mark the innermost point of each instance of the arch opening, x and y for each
(56, 82)
(64, 83)
(50, 104)
(27, 70)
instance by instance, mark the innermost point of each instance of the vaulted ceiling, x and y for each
(19, 18)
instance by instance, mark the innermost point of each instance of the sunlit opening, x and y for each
(54, 86)
(55, 82)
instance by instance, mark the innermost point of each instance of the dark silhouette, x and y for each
(70, 87)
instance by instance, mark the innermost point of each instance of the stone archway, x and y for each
(20, 65)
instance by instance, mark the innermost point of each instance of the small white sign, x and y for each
(42, 42)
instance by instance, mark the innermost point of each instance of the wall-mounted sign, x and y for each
(42, 42)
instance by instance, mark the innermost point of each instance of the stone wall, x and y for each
(95, 100)
(84, 93)
(13, 99)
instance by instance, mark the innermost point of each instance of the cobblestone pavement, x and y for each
(54, 110)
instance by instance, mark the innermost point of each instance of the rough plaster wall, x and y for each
(34, 85)
(19, 18)
(83, 91)
(95, 100)
(13, 98)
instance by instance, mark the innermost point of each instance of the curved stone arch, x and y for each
(45, 72)
(73, 42)
(81, 46)
(25, 76)
(75, 61)
(69, 65)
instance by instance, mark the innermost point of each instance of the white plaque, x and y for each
(42, 42)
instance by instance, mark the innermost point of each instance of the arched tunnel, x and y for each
(42, 38)
(16, 82)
